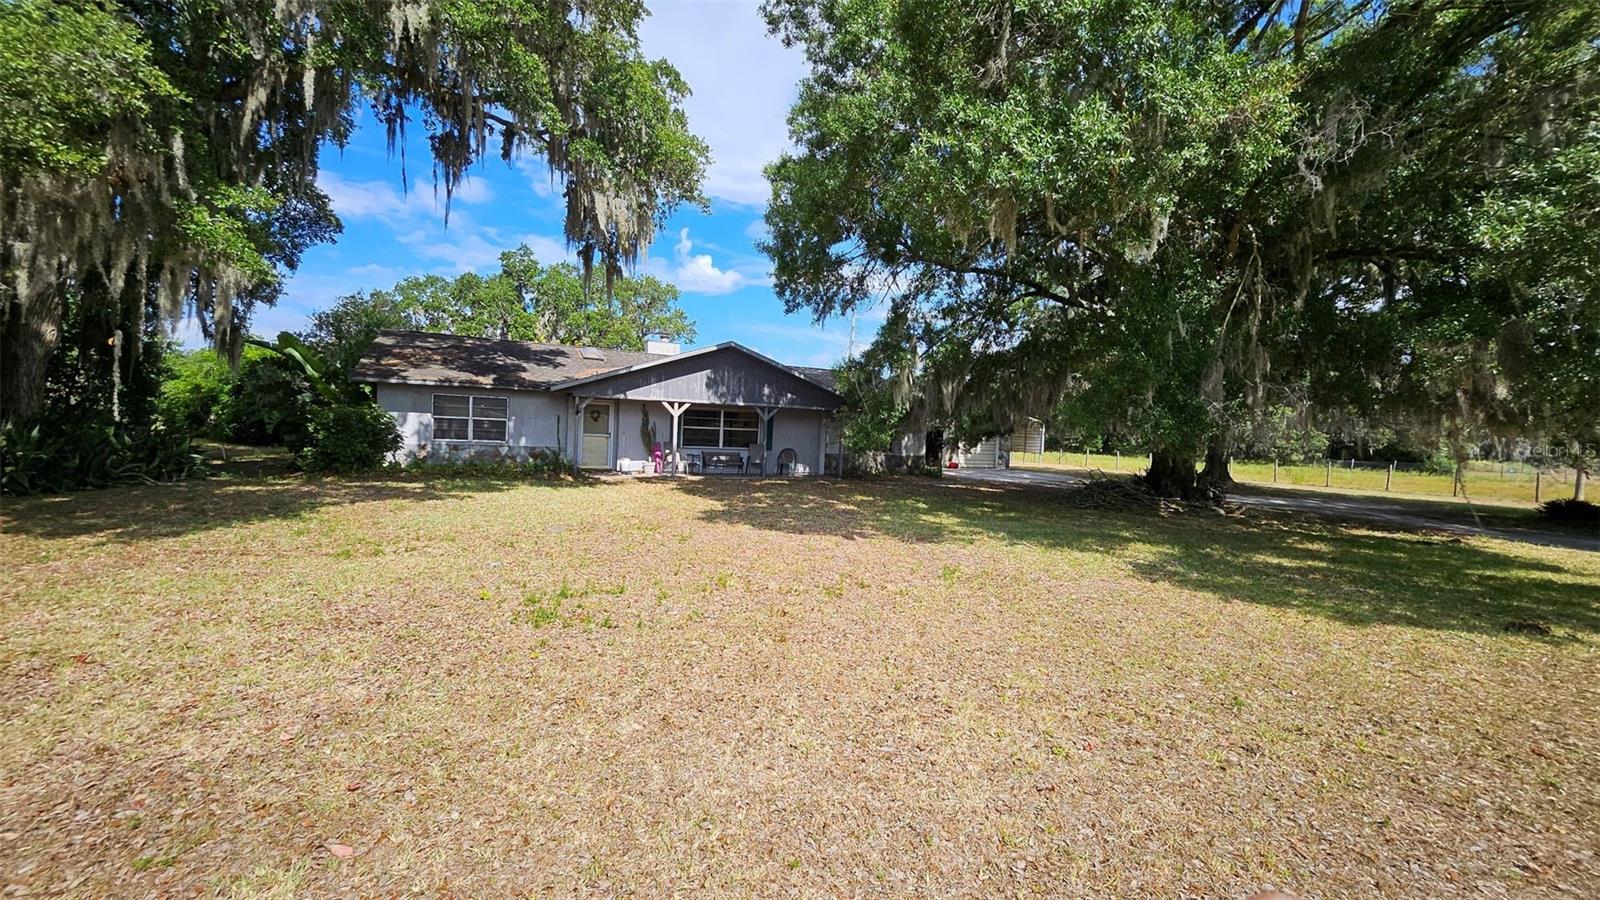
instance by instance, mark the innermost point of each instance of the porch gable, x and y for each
(725, 375)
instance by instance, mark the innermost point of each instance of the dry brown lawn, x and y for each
(718, 686)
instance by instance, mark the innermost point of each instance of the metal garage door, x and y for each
(1029, 437)
(983, 456)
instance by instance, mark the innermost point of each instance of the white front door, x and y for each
(596, 436)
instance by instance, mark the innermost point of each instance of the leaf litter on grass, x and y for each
(830, 687)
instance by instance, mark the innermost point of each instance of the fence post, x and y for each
(1455, 483)
(1389, 478)
(1116, 465)
(1086, 457)
(1274, 471)
(1327, 475)
(1538, 477)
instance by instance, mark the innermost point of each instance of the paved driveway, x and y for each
(1394, 513)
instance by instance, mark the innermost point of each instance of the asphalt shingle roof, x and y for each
(423, 357)
(823, 377)
(420, 357)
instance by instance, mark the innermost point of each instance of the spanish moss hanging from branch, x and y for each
(181, 170)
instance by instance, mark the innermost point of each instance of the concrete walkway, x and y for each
(1393, 513)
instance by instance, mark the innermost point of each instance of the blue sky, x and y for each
(743, 83)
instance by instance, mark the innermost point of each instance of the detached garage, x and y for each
(993, 452)
(1028, 438)
(984, 455)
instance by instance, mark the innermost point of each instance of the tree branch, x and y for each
(539, 134)
(1376, 254)
(1248, 26)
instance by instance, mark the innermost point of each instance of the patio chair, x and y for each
(786, 460)
(679, 462)
(755, 460)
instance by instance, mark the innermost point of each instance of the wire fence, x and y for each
(1476, 480)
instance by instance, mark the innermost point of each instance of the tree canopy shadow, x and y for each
(143, 512)
(1350, 573)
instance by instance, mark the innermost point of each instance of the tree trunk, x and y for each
(28, 338)
(1171, 474)
(1216, 474)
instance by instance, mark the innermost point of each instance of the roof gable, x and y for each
(726, 374)
(811, 375)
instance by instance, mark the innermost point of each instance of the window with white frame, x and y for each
(460, 417)
(708, 426)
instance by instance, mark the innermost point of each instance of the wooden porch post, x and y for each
(676, 410)
(766, 413)
(824, 428)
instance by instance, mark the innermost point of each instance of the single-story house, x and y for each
(456, 398)
(714, 408)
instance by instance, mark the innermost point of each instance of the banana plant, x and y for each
(315, 367)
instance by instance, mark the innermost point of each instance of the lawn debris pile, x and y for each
(1104, 492)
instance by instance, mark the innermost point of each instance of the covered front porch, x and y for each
(620, 434)
(722, 410)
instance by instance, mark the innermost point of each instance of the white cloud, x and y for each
(307, 291)
(698, 276)
(467, 246)
(695, 273)
(871, 317)
(361, 199)
(460, 249)
(382, 200)
(417, 221)
(546, 249)
(545, 183)
(471, 190)
(743, 82)
(828, 343)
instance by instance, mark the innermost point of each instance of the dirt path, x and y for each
(1408, 515)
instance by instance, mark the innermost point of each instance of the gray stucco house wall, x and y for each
(587, 403)
(535, 421)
